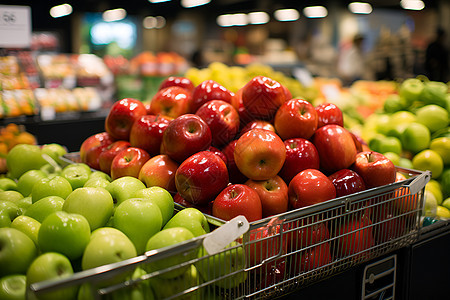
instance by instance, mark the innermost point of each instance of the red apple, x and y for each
(259, 154)
(355, 236)
(374, 168)
(206, 209)
(209, 90)
(183, 82)
(390, 225)
(359, 142)
(296, 118)
(147, 132)
(273, 273)
(347, 182)
(106, 157)
(301, 154)
(92, 147)
(262, 96)
(159, 171)
(172, 101)
(235, 175)
(329, 113)
(312, 233)
(219, 153)
(186, 135)
(121, 117)
(287, 93)
(315, 257)
(310, 187)
(201, 177)
(244, 116)
(335, 146)
(257, 124)
(128, 162)
(222, 119)
(235, 200)
(273, 194)
(263, 243)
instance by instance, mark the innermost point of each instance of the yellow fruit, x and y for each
(442, 147)
(442, 212)
(435, 188)
(428, 160)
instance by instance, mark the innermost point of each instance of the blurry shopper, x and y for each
(436, 59)
(351, 64)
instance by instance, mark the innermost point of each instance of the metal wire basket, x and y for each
(268, 258)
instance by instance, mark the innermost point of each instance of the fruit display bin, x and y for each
(268, 258)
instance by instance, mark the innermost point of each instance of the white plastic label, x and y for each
(218, 239)
(419, 182)
(15, 26)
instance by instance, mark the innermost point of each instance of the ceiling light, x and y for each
(360, 8)
(287, 14)
(224, 20)
(114, 14)
(412, 4)
(61, 10)
(239, 19)
(315, 11)
(154, 22)
(193, 3)
(158, 1)
(258, 17)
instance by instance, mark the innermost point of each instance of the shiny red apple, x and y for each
(180, 81)
(310, 187)
(301, 154)
(172, 101)
(273, 194)
(106, 157)
(335, 146)
(222, 119)
(185, 136)
(147, 133)
(92, 147)
(121, 117)
(235, 175)
(209, 90)
(374, 168)
(128, 162)
(201, 177)
(355, 236)
(263, 124)
(159, 171)
(219, 153)
(206, 209)
(315, 257)
(262, 96)
(329, 113)
(259, 154)
(347, 182)
(296, 118)
(235, 200)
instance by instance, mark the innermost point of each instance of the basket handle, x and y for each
(419, 182)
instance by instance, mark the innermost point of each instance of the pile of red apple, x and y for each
(256, 153)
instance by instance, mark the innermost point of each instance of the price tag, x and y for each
(15, 26)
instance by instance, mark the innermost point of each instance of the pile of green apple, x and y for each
(58, 218)
(413, 131)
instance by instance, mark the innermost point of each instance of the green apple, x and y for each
(55, 186)
(165, 238)
(435, 188)
(5, 220)
(94, 203)
(124, 187)
(165, 288)
(51, 169)
(390, 144)
(376, 141)
(64, 233)
(411, 89)
(433, 117)
(24, 204)
(49, 266)
(24, 157)
(106, 231)
(415, 137)
(191, 219)
(108, 249)
(27, 225)
(442, 146)
(13, 196)
(434, 92)
(394, 103)
(442, 213)
(428, 160)
(139, 219)
(17, 251)
(394, 157)
(55, 151)
(217, 266)
(383, 123)
(405, 163)
(76, 174)
(446, 203)
(13, 287)
(161, 197)
(96, 182)
(100, 174)
(44, 207)
(430, 205)
(445, 183)
(10, 208)
(7, 184)
(28, 179)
